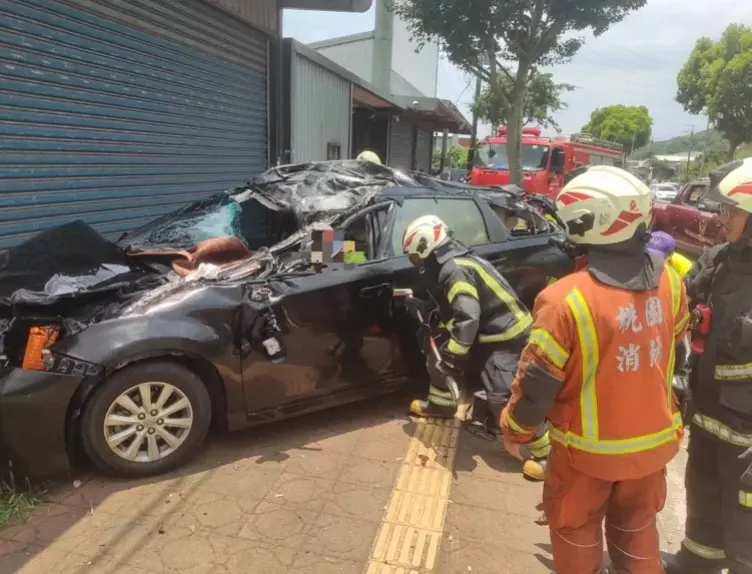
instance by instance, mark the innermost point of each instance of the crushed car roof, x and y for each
(73, 259)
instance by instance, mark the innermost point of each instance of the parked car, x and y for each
(691, 218)
(665, 191)
(127, 352)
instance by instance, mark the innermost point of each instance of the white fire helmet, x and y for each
(735, 187)
(603, 206)
(422, 236)
(368, 155)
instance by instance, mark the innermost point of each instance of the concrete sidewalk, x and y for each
(358, 490)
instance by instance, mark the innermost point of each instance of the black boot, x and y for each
(673, 564)
(428, 409)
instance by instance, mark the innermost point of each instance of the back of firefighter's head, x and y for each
(731, 185)
(603, 206)
(422, 237)
(368, 155)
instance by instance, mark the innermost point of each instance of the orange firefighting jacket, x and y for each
(599, 365)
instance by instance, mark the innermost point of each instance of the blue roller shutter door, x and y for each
(116, 111)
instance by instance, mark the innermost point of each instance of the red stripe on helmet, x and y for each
(409, 238)
(437, 231)
(571, 197)
(625, 219)
(743, 189)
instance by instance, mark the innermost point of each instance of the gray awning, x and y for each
(440, 114)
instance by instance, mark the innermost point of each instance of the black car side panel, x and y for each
(33, 409)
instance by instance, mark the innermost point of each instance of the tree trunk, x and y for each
(732, 150)
(514, 123)
(514, 135)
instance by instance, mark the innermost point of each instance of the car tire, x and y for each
(162, 446)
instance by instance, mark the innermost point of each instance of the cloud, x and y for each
(633, 63)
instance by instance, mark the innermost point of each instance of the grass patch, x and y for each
(14, 502)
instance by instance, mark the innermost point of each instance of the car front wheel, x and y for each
(146, 419)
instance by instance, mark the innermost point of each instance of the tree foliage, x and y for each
(717, 80)
(506, 42)
(626, 125)
(542, 99)
(456, 156)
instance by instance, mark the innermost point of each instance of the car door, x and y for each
(463, 216)
(526, 258)
(710, 230)
(692, 228)
(335, 331)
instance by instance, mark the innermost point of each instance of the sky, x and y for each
(633, 63)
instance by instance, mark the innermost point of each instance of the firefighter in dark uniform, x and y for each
(487, 324)
(718, 480)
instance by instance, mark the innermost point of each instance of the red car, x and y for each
(691, 218)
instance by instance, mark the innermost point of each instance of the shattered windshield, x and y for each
(219, 215)
(494, 156)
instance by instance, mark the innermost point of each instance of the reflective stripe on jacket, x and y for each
(603, 359)
(680, 264)
(483, 306)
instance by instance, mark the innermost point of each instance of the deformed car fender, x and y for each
(202, 324)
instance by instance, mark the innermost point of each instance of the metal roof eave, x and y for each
(442, 113)
(340, 40)
(324, 62)
(328, 5)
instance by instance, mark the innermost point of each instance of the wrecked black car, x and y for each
(223, 313)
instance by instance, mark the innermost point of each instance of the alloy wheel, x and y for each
(148, 422)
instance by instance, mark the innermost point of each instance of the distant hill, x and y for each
(681, 144)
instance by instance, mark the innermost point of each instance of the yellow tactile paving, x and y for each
(410, 534)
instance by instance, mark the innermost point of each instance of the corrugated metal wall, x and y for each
(321, 112)
(401, 145)
(260, 13)
(356, 57)
(117, 111)
(423, 148)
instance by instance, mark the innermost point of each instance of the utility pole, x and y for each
(474, 132)
(634, 139)
(443, 151)
(689, 152)
(704, 148)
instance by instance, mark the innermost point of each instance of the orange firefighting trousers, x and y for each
(576, 505)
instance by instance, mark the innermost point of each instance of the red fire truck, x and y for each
(545, 161)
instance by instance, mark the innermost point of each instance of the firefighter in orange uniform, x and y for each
(599, 365)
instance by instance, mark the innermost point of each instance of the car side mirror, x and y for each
(709, 205)
(491, 153)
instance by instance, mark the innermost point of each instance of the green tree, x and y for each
(542, 100)
(717, 80)
(456, 156)
(629, 126)
(484, 36)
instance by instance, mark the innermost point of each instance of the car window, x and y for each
(695, 194)
(462, 216)
(521, 223)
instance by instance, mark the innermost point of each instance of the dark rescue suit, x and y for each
(719, 508)
(488, 327)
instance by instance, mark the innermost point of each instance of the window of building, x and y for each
(462, 216)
